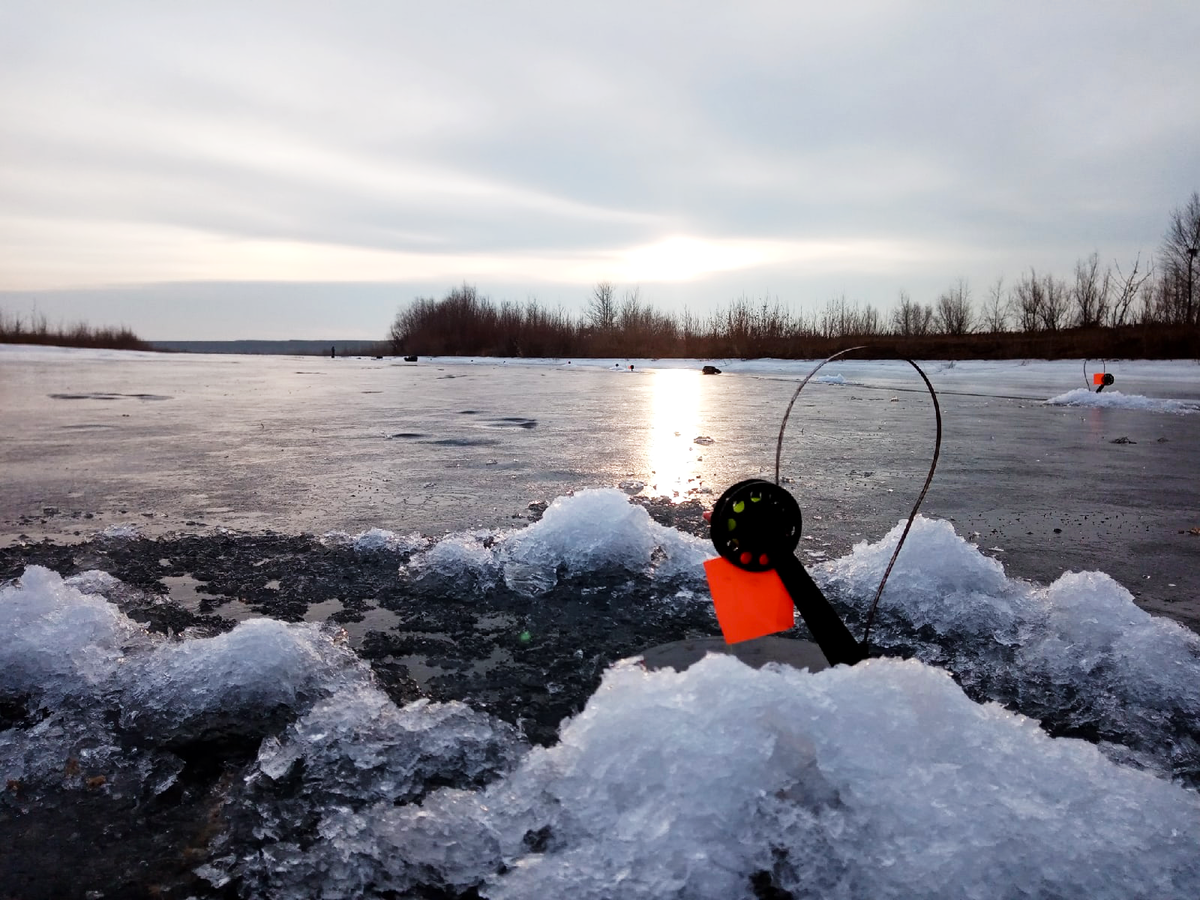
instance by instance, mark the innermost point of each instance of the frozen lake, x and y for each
(289, 627)
(311, 444)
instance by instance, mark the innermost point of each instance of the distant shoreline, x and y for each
(276, 348)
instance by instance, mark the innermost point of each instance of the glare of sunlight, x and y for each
(685, 258)
(674, 425)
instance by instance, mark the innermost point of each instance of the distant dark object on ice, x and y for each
(711, 370)
(410, 359)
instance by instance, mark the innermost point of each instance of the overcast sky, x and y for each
(209, 170)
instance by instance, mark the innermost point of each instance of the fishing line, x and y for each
(937, 450)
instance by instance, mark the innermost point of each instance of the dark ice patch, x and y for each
(513, 422)
(463, 442)
(408, 435)
(101, 395)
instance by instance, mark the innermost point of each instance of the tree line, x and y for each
(1144, 308)
(36, 329)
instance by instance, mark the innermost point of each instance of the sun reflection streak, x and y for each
(674, 424)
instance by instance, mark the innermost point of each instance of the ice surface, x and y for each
(830, 379)
(879, 781)
(1078, 653)
(1117, 400)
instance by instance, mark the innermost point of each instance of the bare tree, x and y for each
(842, 318)
(602, 307)
(953, 314)
(1177, 259)
(1090, 294)
(629, 318)
(911, 319)
(1126, 289)
(994, 317)
(1029, 297)
(1055, 303)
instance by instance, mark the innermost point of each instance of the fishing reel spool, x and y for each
(756, 528)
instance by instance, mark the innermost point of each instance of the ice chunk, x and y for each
(59, 641)
(77, 750)
(234, 683)
(880, 780)
(382, 539)
(464, 561)
(939, 579)
(1078, 654)
(1117, 400)
(358, 746)
(594, 530)
(376, 539)
(94, 582)
(126, 532)
(338, 772)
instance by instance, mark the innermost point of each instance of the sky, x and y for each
(210, 170)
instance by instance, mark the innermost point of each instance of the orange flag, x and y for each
(748, 604)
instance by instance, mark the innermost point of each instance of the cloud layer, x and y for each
(535, 148)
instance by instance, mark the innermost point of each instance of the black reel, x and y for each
(754, 523)
(756, 526)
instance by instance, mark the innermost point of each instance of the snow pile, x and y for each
(595, 530)
(1078, 654)
(587, 533)
(1117, 400)
(881, 780)
(96, 696)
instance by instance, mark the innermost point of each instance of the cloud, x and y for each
(537, 144)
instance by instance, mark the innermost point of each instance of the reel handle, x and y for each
(825, 625)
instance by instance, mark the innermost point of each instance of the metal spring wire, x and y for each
(937, 450)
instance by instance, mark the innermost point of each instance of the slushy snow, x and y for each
(888, 779)
(1116, 400)
(879, 781)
